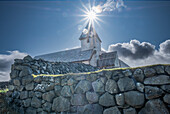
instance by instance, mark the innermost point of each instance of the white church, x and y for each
(89, 53)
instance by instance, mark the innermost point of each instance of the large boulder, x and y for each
(29, 86)
(149, 72)
(154, 106)
(166, 98)
(129, 111)
(66, 91)
(83, 86)
(60, 104)
(48, 96)
(16, 82)
(138, 75)
(111, 86)
(25, 71)
(47, 106)
(157, 80)
(159, 69)
(27, 79)
(90, 109)
(24, 95)
(112, 110)
(120, 100)
(98, 86)
(167, 69)
(27, 102)
(107, 100)
(166, 88)
(92, 97)
(152, 92)
(126, 84)
(36, 103)
(78, 99)
(134, 98)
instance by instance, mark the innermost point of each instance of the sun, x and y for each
(91, 14)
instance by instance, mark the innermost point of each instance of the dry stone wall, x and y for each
(144, 90)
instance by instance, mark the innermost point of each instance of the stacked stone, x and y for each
(142, 90)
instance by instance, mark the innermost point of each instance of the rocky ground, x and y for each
(4, 108)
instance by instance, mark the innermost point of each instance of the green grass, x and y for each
(3, 90)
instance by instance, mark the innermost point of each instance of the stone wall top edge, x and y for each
(102, 70)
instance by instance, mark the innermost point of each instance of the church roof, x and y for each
(67, 55)
(89, 32)
(107, 59)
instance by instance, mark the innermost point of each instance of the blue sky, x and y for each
(43, 27)
(140, 32)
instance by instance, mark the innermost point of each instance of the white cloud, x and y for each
(6, 60)
(135, 53)
(109, 5)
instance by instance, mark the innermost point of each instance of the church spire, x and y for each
(89, 38)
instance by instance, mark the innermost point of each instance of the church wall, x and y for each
(142, 90)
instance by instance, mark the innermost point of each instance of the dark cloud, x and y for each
(134, 49)
(6, 61)
(135, 53)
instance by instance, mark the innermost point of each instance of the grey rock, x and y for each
(36, 103)
(30, 110)
(98, 86)
(166, 98)
(16, 82)
(140, 87)
(60, 104)
(92, 97)
(78, 99)
(31, 94)
(29, 86)
(92, 77)
(66, 91)
(11, 87)
(70, 82)
(138, 75)
(14, 74)
(24, 95)
(28, 58)
(166, 88)
(57, 80)
(149, 72)
(83, 86)
(167, 70)
(57, 90)
(27, 102)
(40, 87)
(127, 72)
(108, 74)
(47, 106)
(120, 100)
(111, 86)
(112, 110)
(154, 106)
(160, 69)
(27, 79)
(64, 82)
(126, 84)
(19, 88)
(90, 109)
(38, 79)
(38, 94)
(157, 80)
(131, 96)
(152, 92)
(107, 100)
(25, 71)
(129, 111)
(48, 96)
(49, 87)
